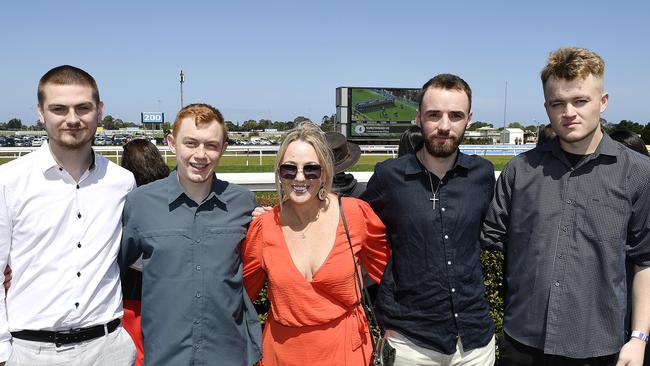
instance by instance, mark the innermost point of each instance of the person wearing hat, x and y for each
(345, 154)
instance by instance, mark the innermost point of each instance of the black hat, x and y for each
(346, 154)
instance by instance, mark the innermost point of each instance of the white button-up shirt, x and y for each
(61, 239)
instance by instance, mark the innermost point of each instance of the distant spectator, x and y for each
(143, 159)
(410, 141)
(629, 139)
(544, 134)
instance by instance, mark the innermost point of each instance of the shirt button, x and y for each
(78, 274)
(198, 268)
(77, 186)
(60, 169)
(453, 290)
(197, 321)
(449, 263)
(564, 228)
(455, 315)
(198, 294)
(446, 236)
(568, 202)
(443, 209)
(557, 284)
(559, 255)
(76, 304)
(196, 346)
(78, 215)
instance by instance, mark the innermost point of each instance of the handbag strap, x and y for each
(369, 310)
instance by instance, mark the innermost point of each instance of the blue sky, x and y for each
(282, 59)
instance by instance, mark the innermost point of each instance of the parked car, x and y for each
(39, 141)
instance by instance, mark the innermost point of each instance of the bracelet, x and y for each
(639, 335)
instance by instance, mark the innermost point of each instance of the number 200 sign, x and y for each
(152, 117)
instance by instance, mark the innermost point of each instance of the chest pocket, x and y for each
(167, 253)
(220, 251)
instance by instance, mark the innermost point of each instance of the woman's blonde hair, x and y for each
(311, 134)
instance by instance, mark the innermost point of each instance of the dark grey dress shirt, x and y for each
(194, 307)
(566, 232)
(432, 289)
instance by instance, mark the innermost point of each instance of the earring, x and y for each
(322, 194)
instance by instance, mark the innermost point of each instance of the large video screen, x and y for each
(381, 113)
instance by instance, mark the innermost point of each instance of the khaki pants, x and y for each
(113, 349)
(408, 353)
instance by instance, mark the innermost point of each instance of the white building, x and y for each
(512, 136)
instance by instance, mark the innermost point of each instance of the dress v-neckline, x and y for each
(293, 263)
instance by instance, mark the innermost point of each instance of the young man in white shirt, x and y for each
(60, 229)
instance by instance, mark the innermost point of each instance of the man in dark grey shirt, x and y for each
(568, 214)
(188, 228)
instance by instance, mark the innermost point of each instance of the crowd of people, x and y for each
(110, 265)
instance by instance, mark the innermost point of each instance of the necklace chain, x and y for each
(302, 233)
(435, 192)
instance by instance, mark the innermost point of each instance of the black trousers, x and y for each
(513, 353)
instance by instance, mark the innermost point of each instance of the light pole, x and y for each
(182, 80)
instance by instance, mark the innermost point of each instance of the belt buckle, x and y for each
(57, 340)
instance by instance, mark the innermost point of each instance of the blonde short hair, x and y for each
(570, 63)
(311, 134)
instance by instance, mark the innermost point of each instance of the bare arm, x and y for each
(632, 352)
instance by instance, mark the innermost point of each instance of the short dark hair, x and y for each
(448, 82)
(410, 141)
(544, 134)
(629, 139)
(67, 75)
(143, 159)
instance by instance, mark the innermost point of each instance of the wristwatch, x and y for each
(639, 335)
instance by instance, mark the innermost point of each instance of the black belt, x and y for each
(68, 336)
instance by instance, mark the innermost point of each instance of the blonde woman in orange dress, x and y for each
(301, 247)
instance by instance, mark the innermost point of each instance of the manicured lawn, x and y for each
(242, 164)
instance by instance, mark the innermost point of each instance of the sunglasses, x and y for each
(290, 171)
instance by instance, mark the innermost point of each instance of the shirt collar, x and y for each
(47, 161)
(606, 146)
(414, 166)
(175, 190)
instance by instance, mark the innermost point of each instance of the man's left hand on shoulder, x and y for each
(632, 353)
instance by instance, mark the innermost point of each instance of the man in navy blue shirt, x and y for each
(431, 300)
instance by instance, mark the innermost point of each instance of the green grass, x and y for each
(237, 164)
(407, 113)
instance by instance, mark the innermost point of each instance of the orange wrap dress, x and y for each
(319, 322)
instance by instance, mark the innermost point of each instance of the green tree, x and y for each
(108, 122)
(327, 123)
(231, 126)
(478, 124)
(300, 119)
(249, 125)
(15, 124)
(630, 125)
(279, 125)
(264, 124)
(515, 125)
